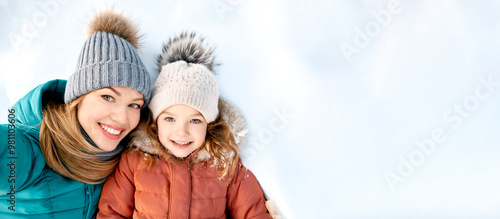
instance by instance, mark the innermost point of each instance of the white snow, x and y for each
(403, 124)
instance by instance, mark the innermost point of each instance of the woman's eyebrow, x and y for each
(117, 93)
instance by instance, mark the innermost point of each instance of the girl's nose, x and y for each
(181, 129)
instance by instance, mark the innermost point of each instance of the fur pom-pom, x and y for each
(115, 23)
(187, 47)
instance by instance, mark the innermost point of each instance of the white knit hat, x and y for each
(186, 77)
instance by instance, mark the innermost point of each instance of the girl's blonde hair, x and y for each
(66, 150)
(219, 143)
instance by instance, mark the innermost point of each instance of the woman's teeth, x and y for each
(110, 130)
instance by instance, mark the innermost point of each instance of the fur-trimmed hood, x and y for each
(228, 112)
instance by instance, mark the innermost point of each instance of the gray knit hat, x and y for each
(108, 58)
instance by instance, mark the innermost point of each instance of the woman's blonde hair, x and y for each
(219, 143)
(66, 150)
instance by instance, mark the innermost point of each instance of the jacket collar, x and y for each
(29, 108)
(104, 155)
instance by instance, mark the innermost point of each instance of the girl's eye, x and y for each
(107, 98)
(135, 106)
(195, 121)
(170, 119)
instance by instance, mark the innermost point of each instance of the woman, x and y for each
(63, 138)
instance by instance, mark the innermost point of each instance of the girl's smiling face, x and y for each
(181, 129)
(107, 115)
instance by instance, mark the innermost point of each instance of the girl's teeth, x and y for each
(182, 144)
(110, 130)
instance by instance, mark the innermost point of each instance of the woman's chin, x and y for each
(107, 146)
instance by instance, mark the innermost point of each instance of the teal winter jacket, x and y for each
(28, 187)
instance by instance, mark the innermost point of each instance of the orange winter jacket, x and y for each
(172, 190)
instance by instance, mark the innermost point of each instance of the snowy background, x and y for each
(357, 109)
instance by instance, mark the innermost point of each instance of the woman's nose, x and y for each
(120, 115)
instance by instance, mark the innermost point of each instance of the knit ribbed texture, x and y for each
(185, 83)
(107, 60)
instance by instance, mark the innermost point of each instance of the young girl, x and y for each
(185, 163)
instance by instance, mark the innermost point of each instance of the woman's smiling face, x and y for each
(107, 115)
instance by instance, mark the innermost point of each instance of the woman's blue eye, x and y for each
(107, 98)
(195, 121)
(135, 106)
(170, 119)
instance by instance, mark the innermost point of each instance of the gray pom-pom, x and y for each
(187, 47)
